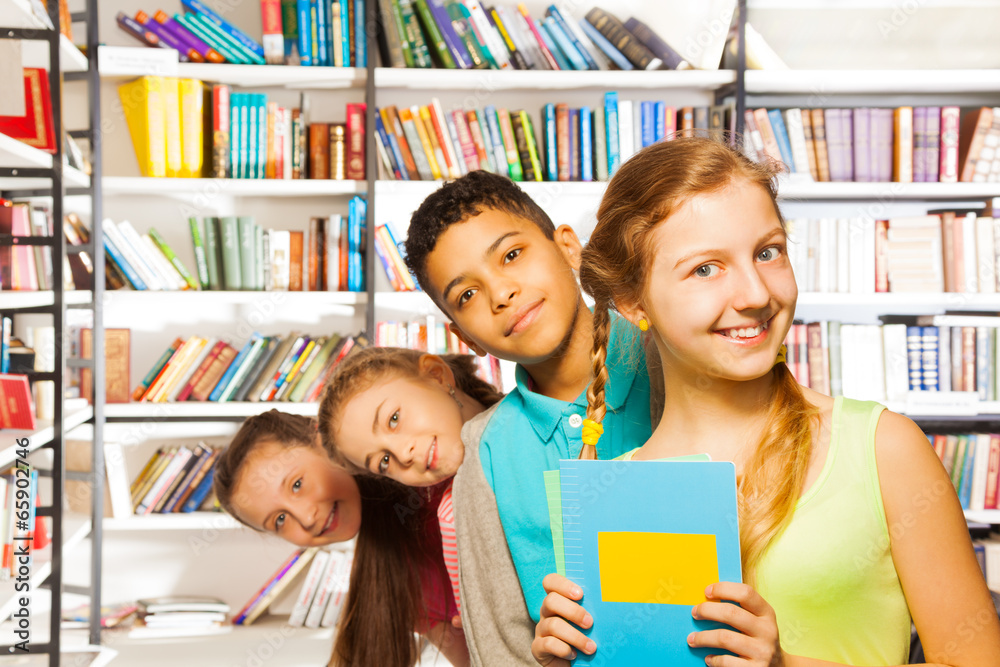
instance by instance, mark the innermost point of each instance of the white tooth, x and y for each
(733, 333)
(756, 331)
(743, 333)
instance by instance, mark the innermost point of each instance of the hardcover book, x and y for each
(35, 127)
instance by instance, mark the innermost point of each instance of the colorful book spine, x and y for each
(611, 131)
(199, 8)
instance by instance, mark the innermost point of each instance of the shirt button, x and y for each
(575, 421)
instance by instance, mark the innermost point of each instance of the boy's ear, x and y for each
(569, 245)
(473, 345)
(435, 368)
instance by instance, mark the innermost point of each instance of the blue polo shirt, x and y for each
(529, 433)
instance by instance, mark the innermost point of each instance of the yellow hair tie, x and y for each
(592, 432)
(782, 354)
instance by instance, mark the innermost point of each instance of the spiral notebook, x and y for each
(643, 539)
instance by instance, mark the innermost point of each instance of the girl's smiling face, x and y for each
(297, 493)
(406, 428)
(721, 293)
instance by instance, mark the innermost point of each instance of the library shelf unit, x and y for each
(18, 14)
(200, 411)
(20, 156)
(77, 411)
(234, 187)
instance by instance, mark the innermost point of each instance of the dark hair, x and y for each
(459, 200)
(399, 543)
(362, 369)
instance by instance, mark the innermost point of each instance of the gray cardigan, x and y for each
(498, 629)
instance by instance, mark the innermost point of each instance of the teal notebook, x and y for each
(643, 539)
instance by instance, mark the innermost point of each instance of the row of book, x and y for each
(325, 578)
(972, 460)
(175, 479)
(291, 367)
(904, 145)
(577, 144)
(945, 252)
(29, 267)
(463, 34)
(19, 489)
(901, 356)
(183, 128)
(392, 261)
(142, 261)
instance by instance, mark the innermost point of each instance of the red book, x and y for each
(993, 473)
(189, 387)
(296, 243)
(355, 167)
(35, 126)
(16, 408)
(562, 141)
(220, 167)
(881, 256)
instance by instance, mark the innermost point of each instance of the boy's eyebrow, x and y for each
(698, 253)
(489, 251)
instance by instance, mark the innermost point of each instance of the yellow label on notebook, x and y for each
(661, 568)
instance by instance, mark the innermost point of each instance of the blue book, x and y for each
(360, 35)
(123, 264)
(235, 131)
(402, 253)
(659, 121)
(586, 145)
(565, 44)
(965, 488)
(198, 496)
(549, 138)
(601, 42)
(550, 44)
(560, 20)
(243, 55)
(573, 116)
(235, 33)
(261, 135)
(345, 33)
(623, 558)
(245, 136)
(190, 21)
(929, 359)
(253, 135)
(914, 358)
(781, 134)
(499, 152)
(392, 148)
(320, 12)
(648, 124)
(484, 131)
(305, 32)
(233, 367)
(451, 39)
(611, 131)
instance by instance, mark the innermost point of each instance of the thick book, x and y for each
(16, 407)
(35, 127)
(620, 558)
(670, 58)
(117, 354)
(619, 36)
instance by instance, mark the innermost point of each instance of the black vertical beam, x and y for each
(371, 168)
(741, 68)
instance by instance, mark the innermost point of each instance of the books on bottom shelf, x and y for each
(972, 460)
(18, 486)
(322, 594)
(180, 617)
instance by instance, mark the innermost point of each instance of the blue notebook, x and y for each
(641, 570)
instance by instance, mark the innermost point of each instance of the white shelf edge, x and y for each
(43, 434)
(75, 528)
(267, 187)
(193, 409)
(878, 82)
(983, 516)
(940, 300)
(71, 58)
(884, 192)
(19, 155)
(491, 80)
(174, 521)
(225, 297)
(13, 299)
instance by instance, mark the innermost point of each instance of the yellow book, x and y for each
(425, 141)
(169, 371)
(172, 123)
(192, 101)
(161, 465)
(298, 364)
(142, 102)
(174, 375)
(436, 145)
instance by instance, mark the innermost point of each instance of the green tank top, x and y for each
(829, 575)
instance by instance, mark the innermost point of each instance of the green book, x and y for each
(191, 22)
(248, 252)
(461, 21)
(248, 362)
(259, 255)
(309, 375)
(393, 20)
(529, 135)
(229, 246)
(213, 263)
(421, 54)
(290, 30)
(199, 252)
(434, 34)
(959, 461)
(168, 252)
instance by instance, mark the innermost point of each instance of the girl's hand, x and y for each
(754, 635)
(555, 637)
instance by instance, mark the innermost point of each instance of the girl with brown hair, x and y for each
(276, 477)
(849, 526)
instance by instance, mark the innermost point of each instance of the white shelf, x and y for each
(266, 187)
(801, 189)
(33, 298)
(77, 412)
(202, 410)
(875, 82)
(17, 155)
(18, 14)
(188, 298)
(75, 528)
(175, 521)
(941, 300)
(983, 516)
(492, 80)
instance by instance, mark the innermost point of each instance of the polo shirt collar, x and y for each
(623, 358)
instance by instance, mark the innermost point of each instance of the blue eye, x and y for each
(706, 270)
(279, 522)
(769, 254)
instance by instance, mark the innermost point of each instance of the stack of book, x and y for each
(180, 617)
(175, 479)
(142, 262)
(321, 596)
(904, 356)
(431, 335)
(291, 367)
(904, 145)
(15, 532)
(183, 128)
(392, 261)
(942, 252)
(972, 460)
(463, 34)
(577, 144)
